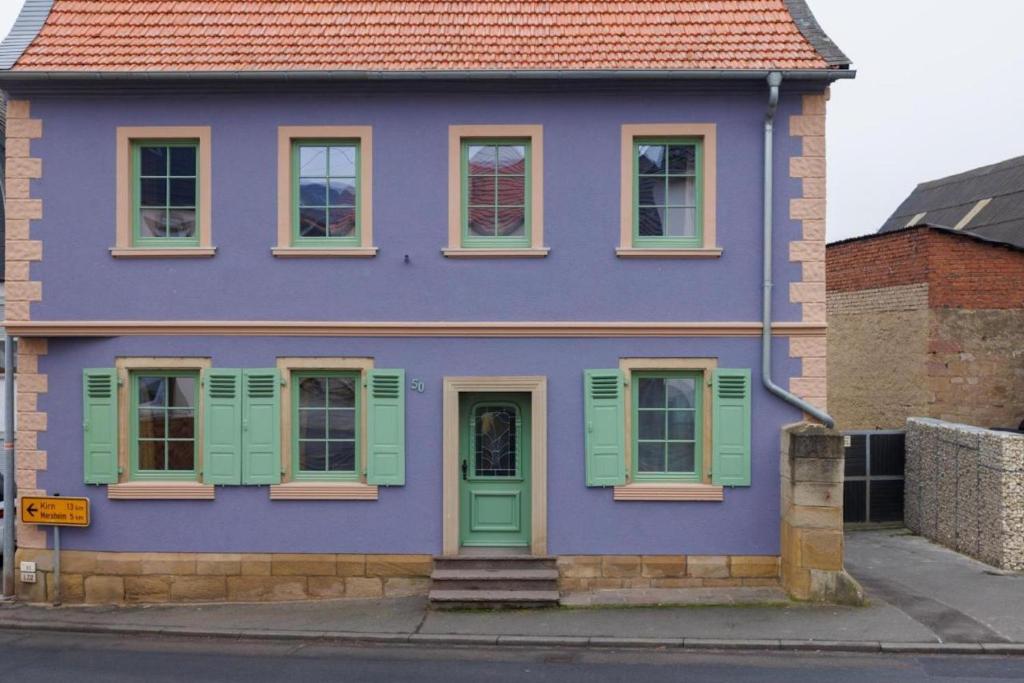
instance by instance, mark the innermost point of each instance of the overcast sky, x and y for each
(938, 91)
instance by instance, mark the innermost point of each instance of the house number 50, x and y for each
(416, 385)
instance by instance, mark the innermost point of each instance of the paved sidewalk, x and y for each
(923, 598)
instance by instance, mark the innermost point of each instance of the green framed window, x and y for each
(495, 193)
(668, 192)
(163, 424)
(667, 426)
(165, 192)
(325, 193)
(326, 418)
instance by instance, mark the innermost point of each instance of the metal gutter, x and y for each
(774, 82)
(26, 27)
(640, 74)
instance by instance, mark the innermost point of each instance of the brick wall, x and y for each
(965, 273)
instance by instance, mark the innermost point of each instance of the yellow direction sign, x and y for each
(55, 510)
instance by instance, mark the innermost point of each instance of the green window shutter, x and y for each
(99, 407)
(385, 424)
(731, 458)
(261, 427)
(222, 426)
(605, 418)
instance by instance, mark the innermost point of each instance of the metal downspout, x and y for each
(774, 81)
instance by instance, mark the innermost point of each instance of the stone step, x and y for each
(493, 562)
(501, 574)
(492, 599)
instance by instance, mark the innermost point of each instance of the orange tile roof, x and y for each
(317, 35)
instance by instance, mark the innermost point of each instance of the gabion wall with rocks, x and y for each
(965, 490)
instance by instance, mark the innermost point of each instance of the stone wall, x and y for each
(965, 490)
(577, 573)
(114, 578)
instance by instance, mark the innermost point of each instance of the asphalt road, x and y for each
(30, 657)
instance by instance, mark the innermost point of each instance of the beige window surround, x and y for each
(456, 135)
(303, 490)
(125, 489)
(707, 132)
(703, 491)
(124, 243)
(286, 135)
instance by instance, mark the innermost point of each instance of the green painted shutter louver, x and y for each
(605, 423)
(261, 427)
(731, 417)
(222, 426)
(385, 424)
(99, 425)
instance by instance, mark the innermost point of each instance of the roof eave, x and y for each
(29, 75)
(815, 35)
(26, 27)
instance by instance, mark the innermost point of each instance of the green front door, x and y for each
(494, 483)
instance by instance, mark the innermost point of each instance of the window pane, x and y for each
(181, 424)
(495, 444)
(512, 191)
(342, 193)
(151, 455)
(153, 160)
(151, 423)
(481, 190)
(651, 191)
(312, 424)
(651, 457)
(681, 425)
(313, 161)
(312, 392)
(512, 221)
(341, 456)
(682, 192)
(183, 192)
(313, 192)
(153, 223)
(651, 158)
(680, 457)
(183, 161)
(152, 391)
(341, 221)
(312, 456)
(682, 223)
(181, 455)
(153, 192)
(313, 222)
(512, 160)
(343, 161)
(342, 392)
(650, 222)
(652, 392)
(651, 425)
(341, 424)
(481, 160)
(481, 220)
(181, 222)
(182, 391)
(682, 159)
(680, 392)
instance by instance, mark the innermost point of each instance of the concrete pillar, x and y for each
(811, 533)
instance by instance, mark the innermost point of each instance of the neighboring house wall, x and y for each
(964, 490)
(925, 323)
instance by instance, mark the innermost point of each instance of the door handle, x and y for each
(465, 469)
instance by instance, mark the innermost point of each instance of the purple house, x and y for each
(307, 297)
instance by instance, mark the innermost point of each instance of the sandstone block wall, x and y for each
(965, 490)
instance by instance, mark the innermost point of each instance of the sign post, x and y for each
(55, 511)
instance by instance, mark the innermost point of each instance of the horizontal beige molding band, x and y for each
(681, 492)
(297, 328)
(160, 490)
(323, 491)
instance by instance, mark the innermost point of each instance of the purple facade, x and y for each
(581, 280)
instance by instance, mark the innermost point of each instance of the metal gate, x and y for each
(873, 486)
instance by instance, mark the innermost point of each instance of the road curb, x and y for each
(592, 642)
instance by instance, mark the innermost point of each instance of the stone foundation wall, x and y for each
(578, 573)
(106, 578)
(965, 490)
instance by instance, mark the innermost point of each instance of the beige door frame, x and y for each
(537, 387)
